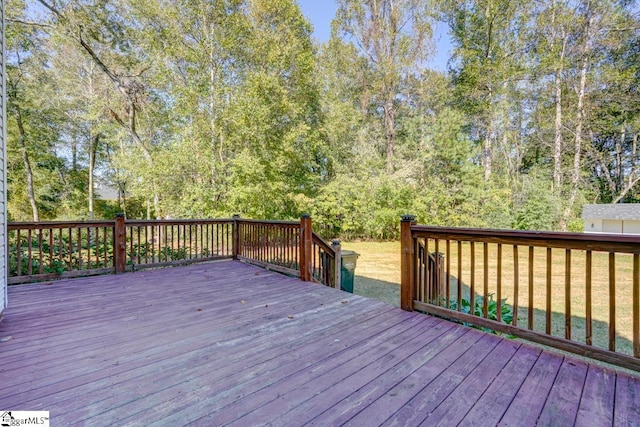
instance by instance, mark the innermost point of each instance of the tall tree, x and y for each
(395, 37)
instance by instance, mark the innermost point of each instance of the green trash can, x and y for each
(347, 270)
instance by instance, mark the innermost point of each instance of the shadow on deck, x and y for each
(230, 343)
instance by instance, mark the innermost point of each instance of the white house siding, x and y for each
(612, 226)
(631, 227)
(3, 171)
(593, 226)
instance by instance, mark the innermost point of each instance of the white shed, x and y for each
(623, 218)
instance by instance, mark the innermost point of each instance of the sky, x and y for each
(321, 12)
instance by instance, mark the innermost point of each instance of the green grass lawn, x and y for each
(377, 270)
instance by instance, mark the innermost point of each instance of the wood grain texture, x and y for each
(231, 343)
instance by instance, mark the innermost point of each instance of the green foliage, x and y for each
(535, 209)
(478, 309)
(209, 108)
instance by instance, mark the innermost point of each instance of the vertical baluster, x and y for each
(179, 240)
(70, 266)
(138, 255)
(448, 275)
(315, 250)
(636, 305)
(229, 249)
(204, 238)
(19, 252)
(426, 293)
(153, 244)
(530, 307)
(548, 312)
(268, 236)
(190, 240)
(292, 248)
(61, 247)
(612, 301)
(567, 294)
(472, 279)
(132, 248)
(279, 233)
(459, 304)
(88, 264)
(499, 285)
(51, 247)
(485, 289)
(40, 255)
(146, 241)
(29, 253)
(589, 323)
(96, 246)
(516, 283)
(104, 247)
(79, 231)
(437, 278)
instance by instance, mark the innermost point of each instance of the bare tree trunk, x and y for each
(634, 151)
(93, 146)
(557, 145)
(487, 152)
(27, 166)
(74, 155)
(619, 169)
(389, 124)
(575, 178)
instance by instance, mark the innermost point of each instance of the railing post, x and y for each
(337, 263)
(306, 239)
(236, 236)
(407, 263)
(120, 244)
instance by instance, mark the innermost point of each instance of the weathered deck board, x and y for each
(493, 403)
(229, 343)
(597, 397)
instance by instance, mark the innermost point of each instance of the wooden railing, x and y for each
(325, 262)
(161, 243)
(51, 250)
(290, 247)
(45, 251)
(270, 244)
(573, 291)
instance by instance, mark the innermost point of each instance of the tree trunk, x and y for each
(389, 124)
(619, 169)
(93, 146)
(557, 145)
(487, 154)
(27, 166)
(575, 178)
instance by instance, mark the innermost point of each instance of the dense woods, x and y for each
(206, 108)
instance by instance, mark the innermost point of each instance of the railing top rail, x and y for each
(586, 241)
(324, 245)
(270, 222)
(142, 222)
(57, 224)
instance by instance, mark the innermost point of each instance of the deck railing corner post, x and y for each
(120, 244)
(306, 238)
(337, 263)
(407, 263)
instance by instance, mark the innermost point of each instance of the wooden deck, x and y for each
(229, 343)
